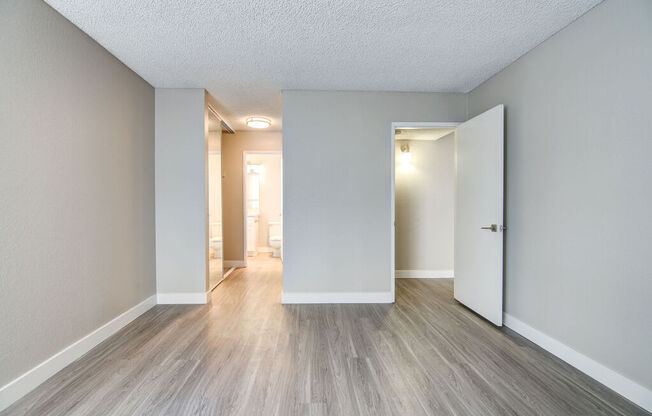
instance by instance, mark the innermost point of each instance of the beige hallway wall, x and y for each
(233, 146)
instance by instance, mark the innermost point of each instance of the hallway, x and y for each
(246, 354)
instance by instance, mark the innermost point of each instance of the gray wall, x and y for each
(76, 186)
(336, 190)
(181, 193)
(579, 185)
(425, 205)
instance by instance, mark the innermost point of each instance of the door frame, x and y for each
(392, 224)
(245, 153)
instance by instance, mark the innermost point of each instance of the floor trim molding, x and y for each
(336, 297)
(25, 383)
(424, 274)
(235, 263)
(615, 381)
(228, 272)
(200, 298)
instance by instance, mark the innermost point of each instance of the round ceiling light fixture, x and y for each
(258, 122)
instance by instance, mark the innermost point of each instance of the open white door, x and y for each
(478, 260)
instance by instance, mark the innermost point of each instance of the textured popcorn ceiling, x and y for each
(244, 52)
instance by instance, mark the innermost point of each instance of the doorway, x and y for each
(425, 197)
(478, 223)
(422, 206)
(263, 204)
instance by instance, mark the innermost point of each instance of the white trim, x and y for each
(200, 298)
(264, 249)
(392, 190)
(228, 272)
(424, 274)
(222, 121)
(235, 263)
(336, 297)
(615, 381)
(25, 383)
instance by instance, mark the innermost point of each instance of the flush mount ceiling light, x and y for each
(258, 122)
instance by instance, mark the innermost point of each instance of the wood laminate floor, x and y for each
(246, 354)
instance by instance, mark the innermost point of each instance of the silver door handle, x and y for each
(494, 228)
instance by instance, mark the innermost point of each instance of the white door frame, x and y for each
(245, 153)
(392, 224)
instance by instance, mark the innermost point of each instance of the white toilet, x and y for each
(275, 237)
(215, 242)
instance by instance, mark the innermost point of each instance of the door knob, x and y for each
(492, 227)
(495, 228)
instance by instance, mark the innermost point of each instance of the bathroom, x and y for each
(263, 208)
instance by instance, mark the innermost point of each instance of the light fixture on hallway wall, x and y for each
(258, 122)
(406, 155)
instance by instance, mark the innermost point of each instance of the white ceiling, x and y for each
(244, 52)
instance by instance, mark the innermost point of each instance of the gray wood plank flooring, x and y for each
(246, 354)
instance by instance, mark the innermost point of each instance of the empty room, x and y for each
(325, 208)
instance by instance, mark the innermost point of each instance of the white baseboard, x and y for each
(235, 263)
(424, 274)
(182, 298)
(615, 381)
(336, 297)
(22, 385)
(264, 249)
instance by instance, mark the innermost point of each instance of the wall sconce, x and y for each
(406, 155)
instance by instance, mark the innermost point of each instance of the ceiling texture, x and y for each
(245, 52)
